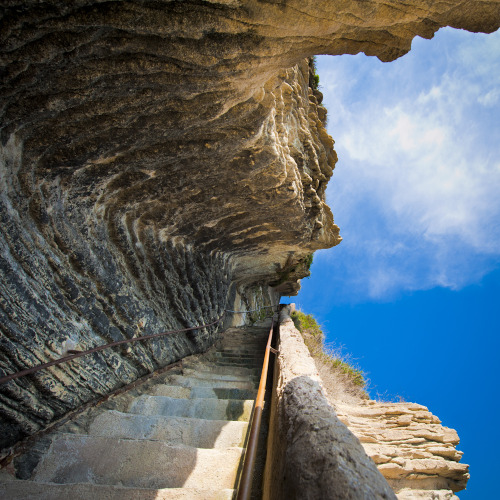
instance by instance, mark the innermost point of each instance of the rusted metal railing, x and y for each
(78, 354)
(245, 486)
(22, 446)
(74, 354)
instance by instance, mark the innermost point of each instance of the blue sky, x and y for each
(412, 292)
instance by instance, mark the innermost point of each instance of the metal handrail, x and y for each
(79, 354)
(73, 354)
(245, 486)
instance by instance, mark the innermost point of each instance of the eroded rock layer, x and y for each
(412, 450)
(160, 162)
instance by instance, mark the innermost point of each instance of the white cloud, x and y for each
(490, 98)
(418, 140)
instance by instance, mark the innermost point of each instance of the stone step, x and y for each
(206, 408)
(242, 342)
(198, 433)
(257, 358)
(237, 364)
(257, 355)
(237, 361)
(242, 350)
(221, 370)
(30, 490)
(136, 463)
(210, 381)
(175, 391)
(214, 378)
(245, 341)
(250, 351)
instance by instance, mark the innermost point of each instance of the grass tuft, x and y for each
(326, 356)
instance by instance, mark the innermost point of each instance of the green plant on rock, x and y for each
(313, 75)
(314, 339)
(308, 260)
(259, 315)
(299, 268)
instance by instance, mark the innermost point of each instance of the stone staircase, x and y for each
(179, 435)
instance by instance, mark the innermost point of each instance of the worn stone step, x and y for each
(255, 362)
(211, 381)
(30, 490)
(236, 364)
(242, 350)
(207, 408)
(214, 377)
(136, 463)
(249, 350)
(255, 359)
(237, 361)
(257, 351)
(221, 369)
(198, 433)
(243, 340)
(175, 391)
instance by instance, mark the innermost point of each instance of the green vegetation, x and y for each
(260, 314)
(313, 75)
(315, 341)
(294, 269)
(308, 260)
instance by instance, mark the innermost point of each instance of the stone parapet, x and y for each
(311, 453)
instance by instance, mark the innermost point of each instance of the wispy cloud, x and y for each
(418, 141)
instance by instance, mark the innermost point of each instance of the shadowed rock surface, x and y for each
(160, 162)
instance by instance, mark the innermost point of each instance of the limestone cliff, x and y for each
(160, 162)
(412, 450)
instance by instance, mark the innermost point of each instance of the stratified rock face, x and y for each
(411, 448)
(159, 162)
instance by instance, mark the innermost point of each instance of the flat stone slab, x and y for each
(136, 463)
(175, 391)
(210, 381)
(30, 490)
(205, 408)
(198, 433)
(222, 371)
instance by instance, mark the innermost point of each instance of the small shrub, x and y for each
(308, 260)
(315, 81)
(327, 356)
(313, 75)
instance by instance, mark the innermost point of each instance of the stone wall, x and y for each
(327, 445)
(311, 454)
